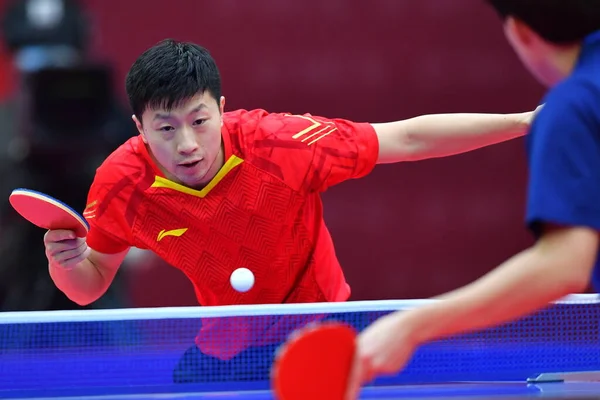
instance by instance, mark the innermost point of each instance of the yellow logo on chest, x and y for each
(174, 232)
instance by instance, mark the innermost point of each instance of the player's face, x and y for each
(186, 141)
(537, 55)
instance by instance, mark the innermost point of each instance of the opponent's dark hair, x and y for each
(556, 21)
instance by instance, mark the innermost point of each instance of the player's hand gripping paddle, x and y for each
(315, 363)
(47, 212)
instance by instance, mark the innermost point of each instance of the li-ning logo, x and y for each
(315, 132)
(90, 211)
(174, 232)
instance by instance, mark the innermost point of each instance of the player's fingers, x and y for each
(58, 235)
(71, 262)
(74, 261)
(55, 248)
(356, 377)
(66, 255)
(353, 388)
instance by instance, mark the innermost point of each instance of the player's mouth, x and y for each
(189, 167)
(189, 164)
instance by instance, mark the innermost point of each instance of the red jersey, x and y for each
(262, 211)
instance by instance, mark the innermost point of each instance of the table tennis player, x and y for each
(211, 191)
(559, 42)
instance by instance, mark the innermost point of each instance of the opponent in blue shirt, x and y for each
(559, 42)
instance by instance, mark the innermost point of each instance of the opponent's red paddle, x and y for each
(47, 212)
(314, 363)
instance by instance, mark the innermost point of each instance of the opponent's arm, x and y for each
(440, 135)
(559, 264)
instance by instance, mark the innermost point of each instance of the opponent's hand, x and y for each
(65, 249)
(382, 348)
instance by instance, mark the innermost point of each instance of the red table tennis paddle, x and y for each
(314, 363)
(47, 212)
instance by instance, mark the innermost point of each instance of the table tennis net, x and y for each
(217, 347)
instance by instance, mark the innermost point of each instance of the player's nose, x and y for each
(187, 143)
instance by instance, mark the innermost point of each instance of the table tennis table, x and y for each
(133, 353)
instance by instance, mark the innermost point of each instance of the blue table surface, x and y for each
(474, 390)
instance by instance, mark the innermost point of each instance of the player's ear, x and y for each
(519, 33)
(222, 107)
(139, 127)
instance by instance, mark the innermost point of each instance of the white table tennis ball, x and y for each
(242, 279)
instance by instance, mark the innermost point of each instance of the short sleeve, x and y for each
(105, 212)
(564, 159)
(313, 153)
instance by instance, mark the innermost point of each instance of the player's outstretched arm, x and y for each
(441, 135)
(559, 264)
(81, 273)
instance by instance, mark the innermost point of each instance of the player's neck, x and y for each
(565, 59)
(220, 161)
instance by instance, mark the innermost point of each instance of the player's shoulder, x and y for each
(569, 116)
(573, 101)
(242, 118)
(262, 123)
(576, 92)
(125, 161)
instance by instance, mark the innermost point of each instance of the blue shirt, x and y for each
(563, 148)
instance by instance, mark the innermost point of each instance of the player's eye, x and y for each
(166, 128)
(199, 121)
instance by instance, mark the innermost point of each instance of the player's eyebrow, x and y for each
(162, 116)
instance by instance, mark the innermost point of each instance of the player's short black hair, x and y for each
(556, 21)
(169, 73)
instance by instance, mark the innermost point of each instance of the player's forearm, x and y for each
(441, 135)
(83, 284)
(524, 284)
